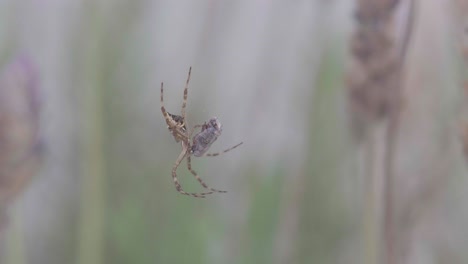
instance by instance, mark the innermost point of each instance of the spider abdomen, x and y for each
(205, 138)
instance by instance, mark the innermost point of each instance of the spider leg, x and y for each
(189, 165)
(176, 181)
(184, 103)
(224, 151)
(163, 109)
(193, 130)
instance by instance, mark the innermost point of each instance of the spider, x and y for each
(198, 146)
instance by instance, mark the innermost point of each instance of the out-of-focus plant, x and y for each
(20, 143)
(461, 18)
(375, 84)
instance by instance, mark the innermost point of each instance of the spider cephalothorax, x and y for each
(210, 131)
(176, 125)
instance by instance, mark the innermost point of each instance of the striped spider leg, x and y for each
(178, 127)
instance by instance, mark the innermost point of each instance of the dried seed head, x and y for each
(374, 79)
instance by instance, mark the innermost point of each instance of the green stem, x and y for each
(15, 243)
(93, 197)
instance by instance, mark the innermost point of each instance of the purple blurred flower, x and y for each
(19, 126)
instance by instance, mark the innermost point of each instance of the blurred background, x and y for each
(86, 156)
